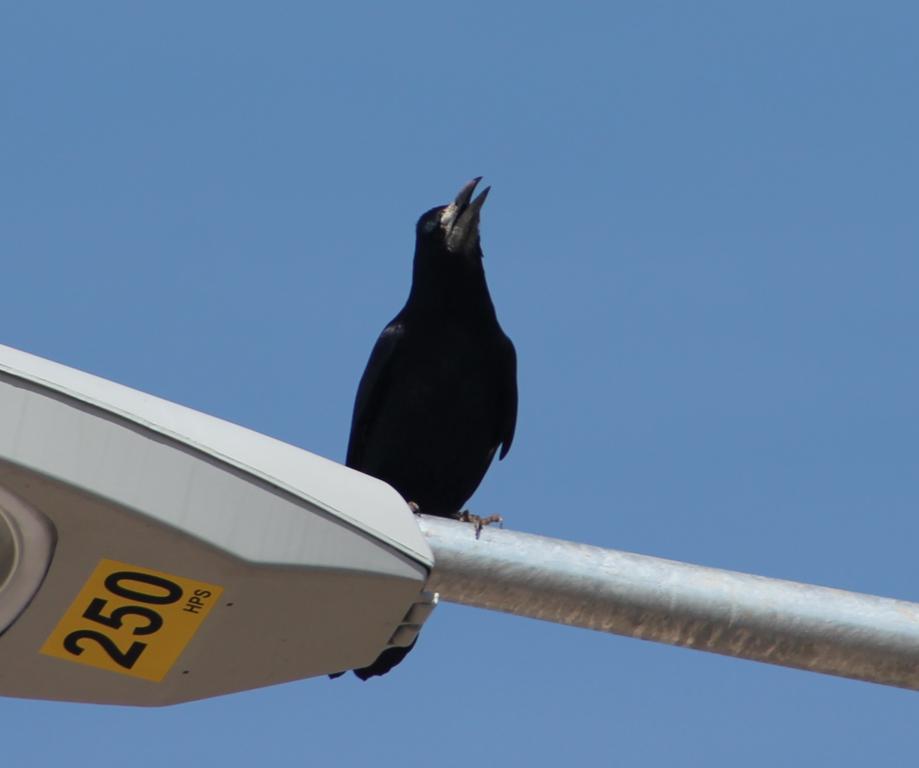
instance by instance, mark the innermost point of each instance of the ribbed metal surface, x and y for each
(736, 614)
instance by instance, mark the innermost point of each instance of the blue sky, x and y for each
(702, 238)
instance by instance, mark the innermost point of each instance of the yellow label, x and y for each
(131, 620)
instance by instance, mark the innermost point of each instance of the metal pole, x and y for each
(736, 614)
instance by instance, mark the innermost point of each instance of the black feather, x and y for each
(438, 398)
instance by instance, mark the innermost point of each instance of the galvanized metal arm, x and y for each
(752, 617)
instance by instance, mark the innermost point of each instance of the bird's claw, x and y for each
(480, 522)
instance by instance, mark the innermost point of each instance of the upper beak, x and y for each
(465, 194)
(461, 217)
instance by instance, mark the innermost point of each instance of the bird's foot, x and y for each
(480, 522)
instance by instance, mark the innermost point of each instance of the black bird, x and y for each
(439, 396)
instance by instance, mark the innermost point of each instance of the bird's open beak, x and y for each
(460, 219)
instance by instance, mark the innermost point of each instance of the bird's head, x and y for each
(454, 227)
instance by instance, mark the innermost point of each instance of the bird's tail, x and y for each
(384, 662)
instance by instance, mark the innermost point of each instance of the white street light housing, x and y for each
(150, 554)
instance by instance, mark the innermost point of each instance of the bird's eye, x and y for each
(429, 225)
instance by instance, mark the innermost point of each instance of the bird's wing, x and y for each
(371, 390)
(508, 386)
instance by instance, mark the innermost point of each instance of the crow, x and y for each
(438, 398)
